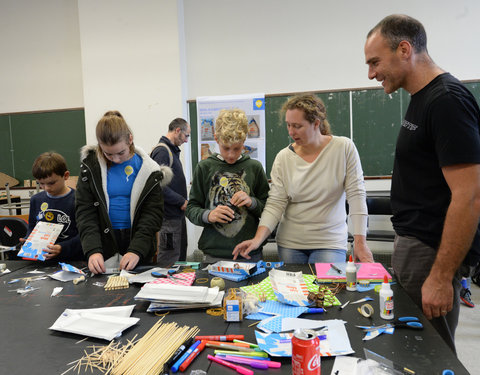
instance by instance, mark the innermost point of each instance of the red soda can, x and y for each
(305, 352)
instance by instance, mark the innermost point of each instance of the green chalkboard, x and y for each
(374, 119)
(368, 116)
(24, 136)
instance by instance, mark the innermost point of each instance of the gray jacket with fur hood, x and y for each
(146, 206)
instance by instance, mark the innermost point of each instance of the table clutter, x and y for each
(262, 308)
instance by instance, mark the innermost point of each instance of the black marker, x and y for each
(176, 356)
(335, 268)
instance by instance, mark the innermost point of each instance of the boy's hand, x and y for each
(95, 263)
(184, 206)
(52, 251)
(221, 214)
(129, 261)
(240, 198)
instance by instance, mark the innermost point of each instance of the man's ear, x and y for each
(405, 49)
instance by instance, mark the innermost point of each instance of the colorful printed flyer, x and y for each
(42, 235)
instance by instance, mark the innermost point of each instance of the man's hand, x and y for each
(437, 297)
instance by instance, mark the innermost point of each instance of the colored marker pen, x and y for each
(239, 355)
(239, 369)
(236, 359)
(245, 342)
(249, 354)
(192, 356)
(182, 359)
(220, 338)
(179, 352)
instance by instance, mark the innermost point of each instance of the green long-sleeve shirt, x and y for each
(214, 183)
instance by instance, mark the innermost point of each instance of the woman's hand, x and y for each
(361, 251)
(96, 264)
(244, 248)
(129, 261)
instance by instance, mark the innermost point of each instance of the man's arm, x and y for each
(459, 228)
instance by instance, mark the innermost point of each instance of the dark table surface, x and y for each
(28, 346)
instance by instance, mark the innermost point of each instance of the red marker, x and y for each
(220, 338)
(192, 356)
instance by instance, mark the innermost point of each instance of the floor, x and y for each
(467, 336)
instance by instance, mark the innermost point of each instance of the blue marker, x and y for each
(182, 359)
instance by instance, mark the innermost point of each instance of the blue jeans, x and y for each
(300, 256)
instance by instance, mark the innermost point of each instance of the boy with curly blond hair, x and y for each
(229, 191)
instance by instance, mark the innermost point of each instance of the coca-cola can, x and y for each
(305, 352)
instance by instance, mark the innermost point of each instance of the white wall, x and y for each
(40, 66)
(131, 62)
(277, 46)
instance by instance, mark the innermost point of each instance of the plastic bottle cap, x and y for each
(350, 259)
(385, 279)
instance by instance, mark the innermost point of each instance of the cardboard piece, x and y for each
(5, 178)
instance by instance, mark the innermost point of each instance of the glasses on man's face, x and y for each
(185, 134)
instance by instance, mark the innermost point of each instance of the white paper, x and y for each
(345, 365)
(157, 306)
(177, 293)
(56, 291)
(64, 276)
(112, 265)
(104, 323)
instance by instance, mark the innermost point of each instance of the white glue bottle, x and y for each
(351, 272)
(386, 300)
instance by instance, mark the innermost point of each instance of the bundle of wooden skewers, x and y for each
(146, 356)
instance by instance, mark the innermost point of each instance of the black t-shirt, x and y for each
(441, 128)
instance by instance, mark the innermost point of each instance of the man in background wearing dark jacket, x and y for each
(173, 234)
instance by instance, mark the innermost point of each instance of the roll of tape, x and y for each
(366, 310)
(3, 266)
(217, 281)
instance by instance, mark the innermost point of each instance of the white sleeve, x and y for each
(355, 191)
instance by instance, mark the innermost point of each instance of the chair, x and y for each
(11, 230)
(379, 206)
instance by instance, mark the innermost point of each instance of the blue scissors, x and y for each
(411, 322)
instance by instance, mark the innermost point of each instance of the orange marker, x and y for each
(241, 344)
